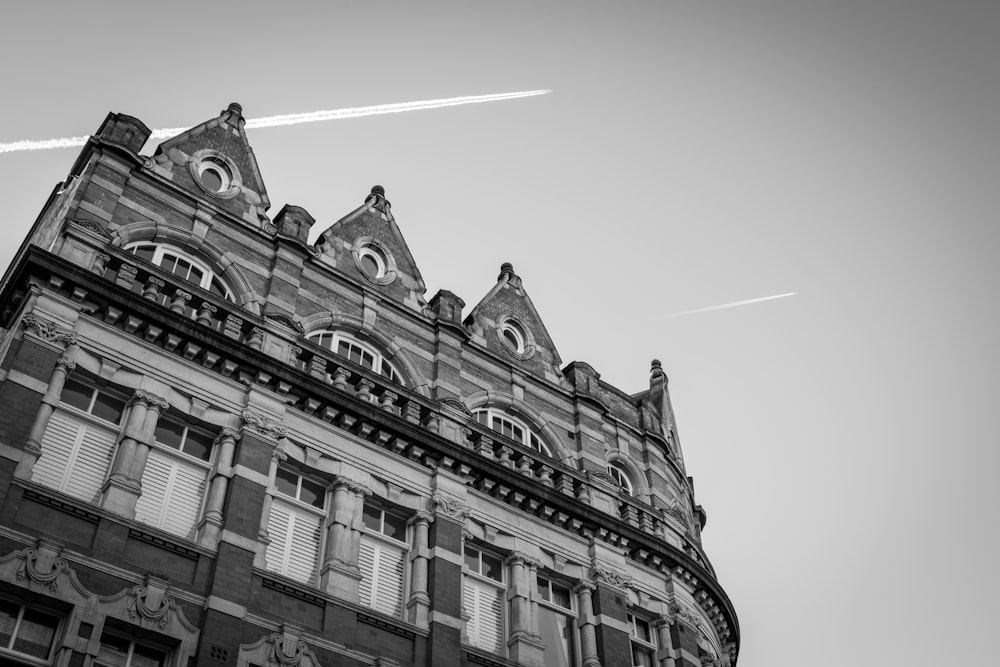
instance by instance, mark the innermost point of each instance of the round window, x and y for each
(372, 262)
(214, 175)
(513, 336)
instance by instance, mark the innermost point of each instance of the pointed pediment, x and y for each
(367, 246)
(214, 160)
(507, 323)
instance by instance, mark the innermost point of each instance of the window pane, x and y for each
(472, 559)
(36, 633)
(8, 618)
(114, 651)
(492, 567)
(394, 527)
(543, 590)
(76, 394)
(108, 407)
(169, 432)
(483, 418)
(145, 252)
(143, 656)
(641, 656)
(557, 637)
(196, 275)
(287, 482)
(198, 445)
(373, 518)
(370, 266)
(312, 493)
(560, 596)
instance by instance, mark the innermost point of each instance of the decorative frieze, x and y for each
(48, 331)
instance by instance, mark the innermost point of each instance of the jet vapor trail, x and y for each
(292, 118)
(728, 305)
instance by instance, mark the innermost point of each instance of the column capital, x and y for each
(150, 400)
(585, 588)
(421, 516)
(521, 558)
(351, 485)
(65, 361)
(226, 434)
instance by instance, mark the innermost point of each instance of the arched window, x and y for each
(356, 351)
(182, 265)
(514, 429)
(619, 474)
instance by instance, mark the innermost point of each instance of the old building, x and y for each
(221, 444)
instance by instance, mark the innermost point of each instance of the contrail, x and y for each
(291, 118)
(728, 305)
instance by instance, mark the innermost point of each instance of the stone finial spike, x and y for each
(377, 199)
(234, 112)
(506, 269)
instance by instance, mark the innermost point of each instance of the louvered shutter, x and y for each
(172, 491)
(484, 604)
(382, 569)
(295, 537)
(75, 456)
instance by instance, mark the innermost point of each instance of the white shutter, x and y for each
(382, 569)
(172, 491)
(295, 537)
(75, 456)
(484, 604)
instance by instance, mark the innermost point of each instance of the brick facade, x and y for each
(229, 446)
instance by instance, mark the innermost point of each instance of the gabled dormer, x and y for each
(214, 161)
(506, 323)
(367, 247)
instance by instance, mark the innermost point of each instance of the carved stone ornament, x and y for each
(65, 361)
(92, 226)
(151, 603)
(678, 611)
(285, 649)
(610, 577)
(47, 330)
(226, 434)
(450, 508)
(43, 565)
(421, 516)
(261, 424)
(286, 320)
(456, 404)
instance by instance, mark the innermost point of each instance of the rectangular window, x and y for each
(382, 559)
(120, 651)
(556, 621)
(483, 600)
(80, 439)
(174, 480)
(295, 525)
(643, 642)
(25, 631)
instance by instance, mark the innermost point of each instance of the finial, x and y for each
(236, 108)
(234, 113)
(378, 190)
(506, 269)
(656, 370)
(376, 199)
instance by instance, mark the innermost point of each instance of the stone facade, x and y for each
(222, 444)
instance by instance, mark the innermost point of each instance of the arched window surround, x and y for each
(221, 261)
(640, 488)
(527, 415)
(338, 339)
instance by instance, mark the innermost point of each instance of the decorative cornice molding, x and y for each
(48, 331)
(255, 421)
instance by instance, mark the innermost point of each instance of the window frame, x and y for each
(529, 438)
(622, 477)
(296, 504)
(379, 360)
(125, 635)
(9, 653)
(571, 613)
(647, 646)
(497, 586)
(208, 278)
(380, 538)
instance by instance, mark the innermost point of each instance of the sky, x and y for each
(690, 154)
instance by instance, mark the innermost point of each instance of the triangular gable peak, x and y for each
(506, 322)
(215, 159)
(367, 246)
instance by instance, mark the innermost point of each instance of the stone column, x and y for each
(340, 574)
(585, 622)
(123, 487)
(418, 606)
(263, 538)
(33, 445)
(665, 652)
(523, 643)
(211, 521)
(533, 594)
